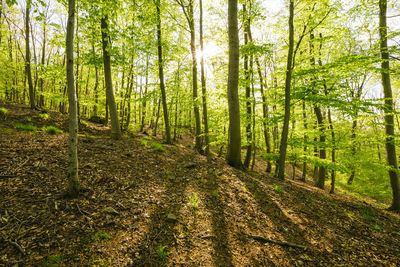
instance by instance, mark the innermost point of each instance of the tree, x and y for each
(188, 11)
(115, 129)
(203, 85)
(388, 108)
(161, 73)
(234, 143)
(285, 128)
(28, 55)
(73, 179)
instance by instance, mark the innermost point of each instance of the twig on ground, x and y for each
(277, 242)
(15, 244)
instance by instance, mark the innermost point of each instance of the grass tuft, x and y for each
(157, 147)
(44, 116)
(25, 127)
(51, 130)
(3, 111)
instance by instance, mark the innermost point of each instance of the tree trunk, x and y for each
(247, 87)
(203, 85)
(28, 56)
(234, 144)
(304, 173)
(115, 130)
(333, 173)
(145, 93)
(285, 129)
(388, 110)
(161, 75)
(73, 179)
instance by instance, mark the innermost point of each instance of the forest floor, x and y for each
(143, 207)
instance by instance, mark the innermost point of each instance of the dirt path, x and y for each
(141, 207)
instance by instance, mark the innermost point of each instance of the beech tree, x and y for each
(285, 129)
(234, 143)
(388, 108)
(73, 179)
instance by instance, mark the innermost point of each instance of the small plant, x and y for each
(278, 188)
(377, 227)
(215, 193)
(169, 175)
(3, 111)
(52, 130)
(52, 261)
(194, 201)
(368, 215)
(25, 127)
(143, 142)
(251, 186)
(148, 138)
(157, 147)
(44, 116)
(101, 236)
(162, 253)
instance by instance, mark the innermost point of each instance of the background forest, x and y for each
(336, 127)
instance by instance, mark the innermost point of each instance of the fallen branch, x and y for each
(277, 242)
(15, 244)
(7, 176)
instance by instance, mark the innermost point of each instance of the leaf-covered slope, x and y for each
(143, 207)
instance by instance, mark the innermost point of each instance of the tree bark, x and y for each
(234, 143)
(161, 75)
(28, 56)
(203, 85)
(73, 179)
(388, 108)
(115, 129)
(285, 129)
(247, 87)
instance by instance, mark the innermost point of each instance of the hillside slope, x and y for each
(143, 207)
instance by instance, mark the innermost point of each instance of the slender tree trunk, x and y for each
(41, 81)
(203, 85)
(96, 84)
(285, 129)
(145, 93)
(353, 151)
(234, 144)
(388, 110)
(249, 140)
(28, 56)
(161, 75)
(115, 129)
(73, 179)
(320, 182)
(264, 107)
(304, 173)
(333, 173)
(157, 117)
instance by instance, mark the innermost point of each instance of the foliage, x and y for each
(157, 147)
(51, 130)
(25, 127)
(162, 253)
(3, 111)
(44, 116)
(278, 188)
(194, 201)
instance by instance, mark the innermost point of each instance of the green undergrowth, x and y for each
(368, 185)
(157, 147)
(25, 127)
(3, 111)
(51, 130)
